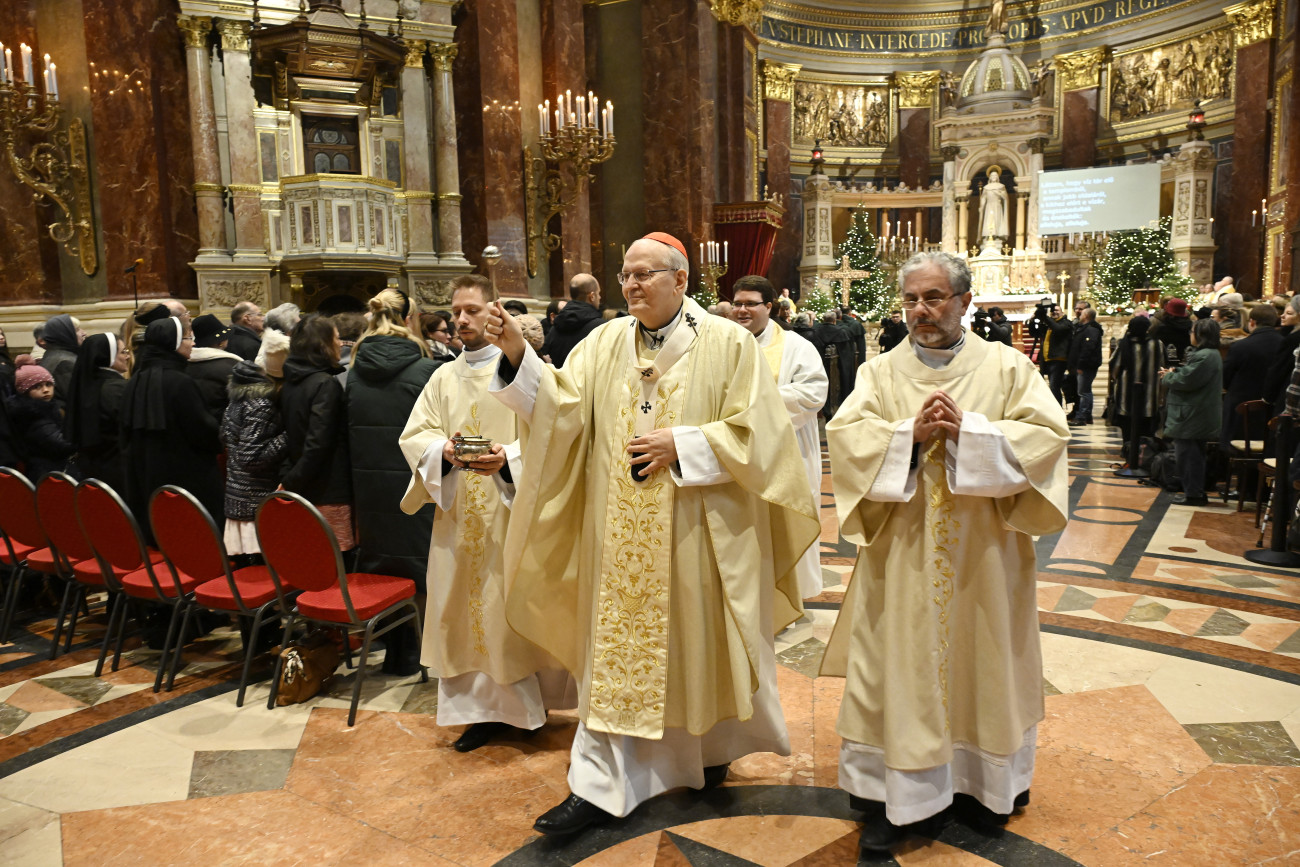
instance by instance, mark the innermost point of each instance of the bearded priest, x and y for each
(801, 378)
(948, 458)
(655, 533)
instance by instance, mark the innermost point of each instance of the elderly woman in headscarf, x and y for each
(62, 337)
(168, 436)
(94, 413)
(1135, 379)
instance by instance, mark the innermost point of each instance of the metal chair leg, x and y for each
(361, 672)
(114, 603)
(249, 650)
(79, 602)
(58, 621)
(16, 576)
(167, 643)
(121, 632)
(178, 647)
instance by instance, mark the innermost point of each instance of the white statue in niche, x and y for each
(994, 226)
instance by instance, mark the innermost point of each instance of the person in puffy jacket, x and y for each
(389, 370)
(316, 422)
(253, 433)
(36, 420)
(1085, 361)
(1192, 409)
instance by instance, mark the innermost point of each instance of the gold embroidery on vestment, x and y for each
(938, 516)
(630, 665)
(473, 537)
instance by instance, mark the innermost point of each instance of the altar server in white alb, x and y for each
(654, 538)
(801, 379)
(948, 458)
(489, 678)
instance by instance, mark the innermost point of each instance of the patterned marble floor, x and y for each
(1171, 670)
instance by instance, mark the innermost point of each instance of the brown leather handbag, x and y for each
(307, 667)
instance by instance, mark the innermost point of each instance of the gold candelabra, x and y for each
(1089, 246)
(713, 264)
(575, 136)
(49, 160)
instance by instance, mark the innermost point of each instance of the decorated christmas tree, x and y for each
(816, 302)
(873, 297)
(704, 296)
(1139, 259)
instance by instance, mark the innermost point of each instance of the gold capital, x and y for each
(949, 152)
(1080, 69)
(195, 28)
(415, 49)
(778, 80)
(916, 89)
(234, 34)
(742, 13)
(443, 54)
(1251, 22)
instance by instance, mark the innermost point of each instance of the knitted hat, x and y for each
(1231, 299)
(30, 374)
(273, 352)
(532, 330)
(1176, 307)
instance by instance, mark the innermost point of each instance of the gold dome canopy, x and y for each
(997, 80)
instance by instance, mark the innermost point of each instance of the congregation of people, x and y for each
(645, 520)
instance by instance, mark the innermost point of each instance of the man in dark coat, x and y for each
(1056, 350)
(858, 336)
(580, 317)
(837, 355)
(1085, 361)
(893, 330)
(246, 324)
(1247, 362)
(1173, 328)
(210, 364)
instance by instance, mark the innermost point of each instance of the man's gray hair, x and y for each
(829, 316)
(955, 266)
(674, 259)
(240, 310)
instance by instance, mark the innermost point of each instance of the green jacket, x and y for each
(1194, 404)
(388, 373)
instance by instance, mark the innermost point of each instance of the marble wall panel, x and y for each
(1292, 204)
(141, 147)
(785, 252)
(678, 84)
(564, 67)
(28, 259)
(733, 79)
(468, 91)
(1079, 128)
(1249, 166)
(914, 147)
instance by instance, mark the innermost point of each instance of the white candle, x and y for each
(582, 111)
(45, 77)
(27, 63)
(541, 119)
(559, 124)
(702, 260)
(609, 107)
(724, 251)
(54, 81)
(4, 64)
(604, 121)
(568, 106)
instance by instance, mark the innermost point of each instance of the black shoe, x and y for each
(571, 816)
(977, 816)
(479, 734)
(880, 835)
(1022, 800)
(1184, 500)
(714, 776)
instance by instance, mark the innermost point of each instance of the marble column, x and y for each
(564, 68)
(818, 246)
(963, 219)
(778, 92)
(736, 116)
(1252, 30)
(1080, 73)
(416, 180)
(1290, 266)
(1032, 239)
(950, 200)
(447, 169)
(1021, 199)
(916, 92)
(245, 176)
(1190, 237)
(203, 132)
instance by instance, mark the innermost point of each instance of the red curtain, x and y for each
(749, 231)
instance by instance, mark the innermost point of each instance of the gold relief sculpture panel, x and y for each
(778, 80)
(1251, 22)
(841, 115)
(1171, 77)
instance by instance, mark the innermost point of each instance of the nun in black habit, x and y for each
(168, 436)
(94, 415)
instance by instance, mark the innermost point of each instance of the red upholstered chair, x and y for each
(301, 550)
(27, 550)
(189, 538)
(71, 554)
(119, 546)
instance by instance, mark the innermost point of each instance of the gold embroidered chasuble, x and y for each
(464, 624)
(775, 351)
(938, 633)
(650, 593)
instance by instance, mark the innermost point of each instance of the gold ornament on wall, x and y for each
(1080, 69)
(778, 80)
(841, 115)
(1171, 77)
(916, 89)
(741, 13)
(1251, 22)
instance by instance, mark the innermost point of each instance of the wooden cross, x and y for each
(845, 275)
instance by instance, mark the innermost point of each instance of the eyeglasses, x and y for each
(190, 339)
(931, 304)
(749, 305)
(625, 278)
